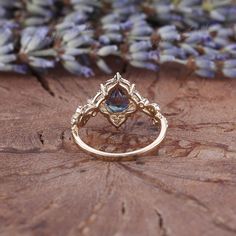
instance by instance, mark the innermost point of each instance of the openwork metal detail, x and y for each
(117, 100)
(98, 103)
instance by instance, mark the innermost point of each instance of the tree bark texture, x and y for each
(48, 186)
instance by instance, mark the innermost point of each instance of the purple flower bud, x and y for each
(7, 48)
(125, 10)
(126, 25)
(103, 66)
(140, 46)
(143, 56)
(211, 53)
(75, 17)
(204, 63)
(86, 71)
(65, 57)
(84, 8)
(205, 73)
(79, 41)
(225, 32)
(170, 36)
(22, 69)
(146, 65)
(230, 48)
(231, 73)
(111, 27)
(216, 15)
(41, 63)
(189, 50)
(76, 51)
(165, 45)
(230, 63)
(33, 38)
(141, 31)
(104, 39)
(35, 21)
(5, 35)
(115, 37)
(166, 58)
(163, 9)
(153, 55)
(120, 3)
(198, 37)
(110, 18)
(16, 68)
(73, 33)
(107, 50)
(76, 68)
(64, 26)
(137, 17)
(221, 42)
(174, 51)
(166, 29)
(7, 58)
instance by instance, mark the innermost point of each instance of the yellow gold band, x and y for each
(117, 100)
(141, 151)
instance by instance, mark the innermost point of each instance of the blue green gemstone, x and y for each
(117, 101)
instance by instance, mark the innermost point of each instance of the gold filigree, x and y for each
(98, 103)
(133, 102)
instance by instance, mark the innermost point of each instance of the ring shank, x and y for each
(143, 150)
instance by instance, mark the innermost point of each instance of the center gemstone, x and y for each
(117, 101)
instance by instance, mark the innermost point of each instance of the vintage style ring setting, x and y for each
(117, 100)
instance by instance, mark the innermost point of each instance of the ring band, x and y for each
(117, 100)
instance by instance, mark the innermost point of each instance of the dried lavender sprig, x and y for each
(38, 12)
(35, 48)
(141, 54)
(194, 49)
(28, 13)
(191, 13)
(200, 46)
(166, 51)
(75, 37)
(74, 43)
(8, 57)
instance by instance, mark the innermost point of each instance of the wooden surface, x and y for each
(48, 186)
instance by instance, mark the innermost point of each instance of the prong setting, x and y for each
(124, 103)
(117, 118)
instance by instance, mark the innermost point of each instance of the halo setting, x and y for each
(117, 99)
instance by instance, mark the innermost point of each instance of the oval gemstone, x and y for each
(117, 101)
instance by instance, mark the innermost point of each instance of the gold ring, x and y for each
(117, 99)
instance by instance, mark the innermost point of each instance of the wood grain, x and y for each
(48, 186)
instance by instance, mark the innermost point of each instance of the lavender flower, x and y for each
(146, 34)
(191, 13)
(38, 13)
(36, 42)
(7, 55)
(76, 68)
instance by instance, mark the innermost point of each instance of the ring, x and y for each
(117, 99)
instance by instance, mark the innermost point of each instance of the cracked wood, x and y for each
(48, 186)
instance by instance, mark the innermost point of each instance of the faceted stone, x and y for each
(117, 101)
